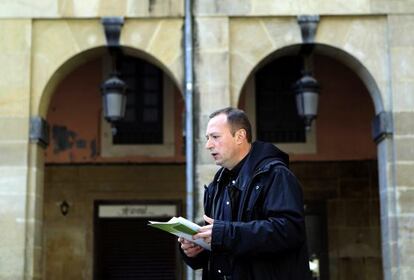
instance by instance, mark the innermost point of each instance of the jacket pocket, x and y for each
(251, 210)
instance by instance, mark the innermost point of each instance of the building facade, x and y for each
(74, 205)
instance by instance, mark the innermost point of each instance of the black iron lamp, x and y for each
(113, 89)
(114, 98)
(307, 88)
(64, 207)
(307, 96)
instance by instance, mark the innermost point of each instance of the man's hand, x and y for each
(205, 231)
(190, 248)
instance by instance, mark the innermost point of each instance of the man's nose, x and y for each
(208, 144)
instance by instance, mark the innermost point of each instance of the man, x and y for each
(253, 209)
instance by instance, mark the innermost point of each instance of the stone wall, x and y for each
(282, 8)
(44, 40)
(349, 190)
(402, 61)
(175, 8)
(14, 145)
(68, 240)
(350, 193)
(93, 8)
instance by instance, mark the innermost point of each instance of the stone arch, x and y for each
(341, 56)
(377, 85)
(60, 47)
(73, 62)
(359, 43)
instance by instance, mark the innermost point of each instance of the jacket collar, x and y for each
(260, 158)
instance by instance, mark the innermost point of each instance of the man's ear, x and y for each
(241, 135)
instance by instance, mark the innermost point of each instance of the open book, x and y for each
(181, 227)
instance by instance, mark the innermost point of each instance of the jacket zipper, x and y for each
(248, 188)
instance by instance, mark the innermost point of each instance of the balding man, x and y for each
(253, 209)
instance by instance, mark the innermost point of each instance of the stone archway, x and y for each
(97, 175)
(60, 47)
(369, 61)
(336, 164)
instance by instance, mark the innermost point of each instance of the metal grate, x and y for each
(143, 123)
(129, 249)
(276, 115)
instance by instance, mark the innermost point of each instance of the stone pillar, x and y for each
(14, 146)
(402, 61)
(211, 49)
(34, 214)
(389, 219)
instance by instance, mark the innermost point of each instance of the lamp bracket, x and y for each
(382, 126)
(112, 27)
(39, 131)
(308, 25)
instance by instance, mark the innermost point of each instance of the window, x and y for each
(277, 118)
(148, 128)
(143, 116)
(270, 104)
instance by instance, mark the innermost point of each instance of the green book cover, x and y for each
(181, 227)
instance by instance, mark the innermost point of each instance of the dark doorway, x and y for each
(126, 248)
(316, 233)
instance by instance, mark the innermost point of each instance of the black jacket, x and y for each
(268, 238)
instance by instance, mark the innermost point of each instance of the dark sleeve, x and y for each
(197, 262)
(282, 227)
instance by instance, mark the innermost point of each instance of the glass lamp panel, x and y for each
(299, 104)
(310, 103)
(114, 104)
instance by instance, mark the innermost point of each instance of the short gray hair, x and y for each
(237, 119)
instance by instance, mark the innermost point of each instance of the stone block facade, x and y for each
(350, 195)
(43, 41)
(68, 240)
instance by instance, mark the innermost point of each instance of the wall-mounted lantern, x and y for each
(307, 88)
(114, 98)
(113, 89)
(64, 207)
(307, 96)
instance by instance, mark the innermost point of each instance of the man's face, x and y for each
(221, 144)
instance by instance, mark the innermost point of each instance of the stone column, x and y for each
(402, 61)
(34, 214)
(211, 49)
(15, 76)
